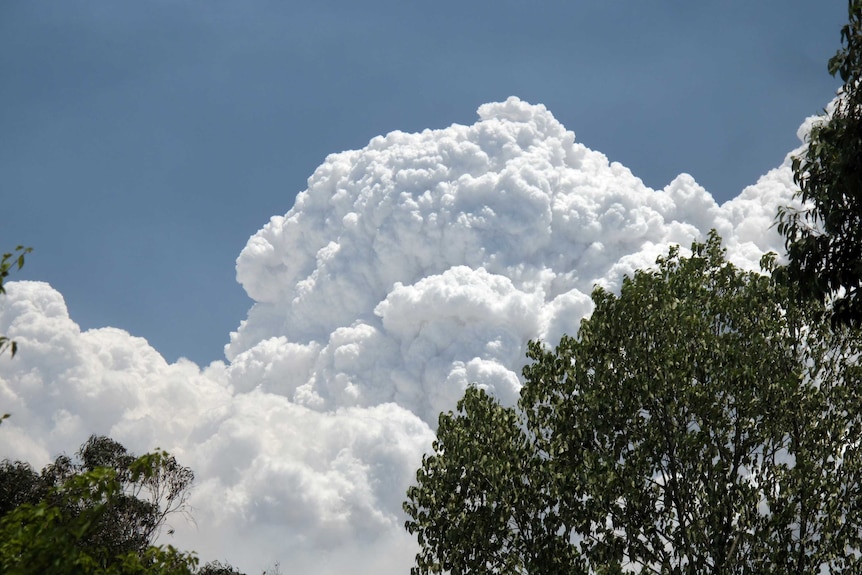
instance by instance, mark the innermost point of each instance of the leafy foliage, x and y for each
(218, 568)
(483, 503)
(106, 509)
(67, 532)
(824, 237)
(699, 423)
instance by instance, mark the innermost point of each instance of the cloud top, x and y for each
(408, 259)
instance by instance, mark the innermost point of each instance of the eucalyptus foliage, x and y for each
(701, 422)
(99, 513)
(824, 237)
(64, 533)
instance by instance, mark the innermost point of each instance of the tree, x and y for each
(218, 568)
(702, 421)
(824, 237)
(108, 504)
(484, 502)
(137, 511)
(19, 484)
(100, 513)
(65, 533)
(147, 499)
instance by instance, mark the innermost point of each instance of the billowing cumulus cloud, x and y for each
(406, 271)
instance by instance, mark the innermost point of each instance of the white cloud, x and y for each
(405, 271)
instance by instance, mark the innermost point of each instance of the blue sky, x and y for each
(144, 142)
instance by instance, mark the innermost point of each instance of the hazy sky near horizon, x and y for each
(144, 142)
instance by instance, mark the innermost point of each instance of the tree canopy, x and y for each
(100, 513)
(90, 521)
(700, 422)
(824, 237)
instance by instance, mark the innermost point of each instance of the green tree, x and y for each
(136, 513)
(484, 502)
(19, 484)
(108, 504)
(824, 237)
(64, 533)
(701, 422)
(218, 568)
(99, 513)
